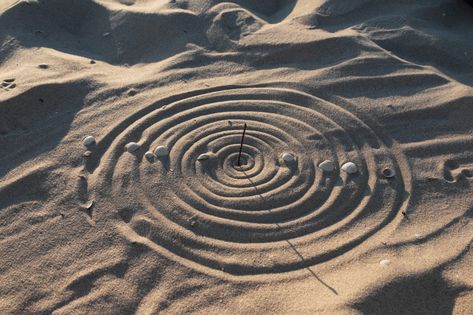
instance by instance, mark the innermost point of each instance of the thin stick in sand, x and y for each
(241, 144)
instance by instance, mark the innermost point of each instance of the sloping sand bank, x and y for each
(387, 85)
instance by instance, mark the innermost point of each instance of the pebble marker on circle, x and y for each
(288, 157)
(327, 166)
(132, 147)
(149, 156)
(88, 141)
(203, 157)
(350, 168)
(161, 151)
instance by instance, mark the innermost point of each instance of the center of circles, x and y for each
(196, 204)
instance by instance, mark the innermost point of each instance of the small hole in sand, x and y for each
(388, 172)
(451, 164)
(468, 172)
(243, 162)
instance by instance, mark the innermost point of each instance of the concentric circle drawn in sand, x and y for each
(267, 215)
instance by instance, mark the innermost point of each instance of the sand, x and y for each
(386, 85)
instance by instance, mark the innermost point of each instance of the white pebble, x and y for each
(418, 236)
(43, 66)
(327, 166)
(161, 151)
(149, 156)
(89, 204)
(350, 168)
(385, 262)
(288, 157)
(132, 147)
(203, 156)
(88, 141)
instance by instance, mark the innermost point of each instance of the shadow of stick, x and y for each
(290, 244)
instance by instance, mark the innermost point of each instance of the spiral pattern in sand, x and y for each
(266, 216)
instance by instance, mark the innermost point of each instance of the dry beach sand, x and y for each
(387, 85)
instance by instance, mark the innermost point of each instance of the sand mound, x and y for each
(119, 226)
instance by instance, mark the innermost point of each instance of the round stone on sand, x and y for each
(203, 157)
(43, 66)
(132, 147)
(288, 157)
(349, 168)
(88, 141)
(149, 156)
(161, 151)
(89, 204)
(418, 236)
(327, 166)
(384, 262)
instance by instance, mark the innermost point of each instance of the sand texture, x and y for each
(120, 226)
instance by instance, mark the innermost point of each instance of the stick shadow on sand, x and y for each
(298, 253)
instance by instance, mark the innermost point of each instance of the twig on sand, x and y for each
(241, 144)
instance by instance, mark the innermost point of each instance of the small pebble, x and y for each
(161, 151)
(203, 156)
(388, 172)
(327, 166)
(385, 262)
(92, 62)
(87, 153)
(89, 204)
(418, 236)
(288, 157)
(88, 141)
(106, 34)
(132, 92)
(149, 156)
(349, 168)
(132, 147)
(43, 66)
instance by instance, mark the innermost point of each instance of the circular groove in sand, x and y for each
(244, 217)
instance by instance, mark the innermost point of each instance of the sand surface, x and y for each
(383, 84)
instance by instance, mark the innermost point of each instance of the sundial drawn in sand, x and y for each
(267, 215)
